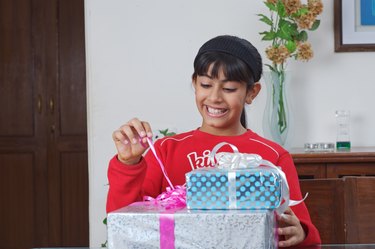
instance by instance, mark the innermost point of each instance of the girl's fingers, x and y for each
(118, 136)
(148, 129)
(289, 242)
(131, 140)
(288, 217)
(288, 230)
(129, 133)
(138, 129)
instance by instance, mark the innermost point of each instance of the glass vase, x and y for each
(277, 117)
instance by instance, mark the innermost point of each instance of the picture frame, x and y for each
(347, 38)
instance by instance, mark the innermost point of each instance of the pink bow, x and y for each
(174, 196)
(171, 198)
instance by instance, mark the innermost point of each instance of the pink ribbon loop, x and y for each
(175, 196)
(171, 198)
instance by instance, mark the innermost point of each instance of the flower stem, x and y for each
(281, 106)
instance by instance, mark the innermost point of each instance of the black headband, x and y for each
(237, 47)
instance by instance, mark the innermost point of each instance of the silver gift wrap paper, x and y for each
(137, 226)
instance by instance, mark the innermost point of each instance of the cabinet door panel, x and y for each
(325, 204)
(68, 168)
(17, 198)
(23, 190)
(74, 182)
(360, 202)
(72, 81)
(311, 170)
(338, 170)
(16, 67)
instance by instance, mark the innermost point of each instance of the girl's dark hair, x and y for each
(233, 68)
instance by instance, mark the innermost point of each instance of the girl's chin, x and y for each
(215, 123)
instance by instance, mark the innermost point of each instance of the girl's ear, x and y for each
(253, 92)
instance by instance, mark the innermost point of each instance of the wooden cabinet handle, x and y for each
(39, 104)
(51, 106)
(53, 128)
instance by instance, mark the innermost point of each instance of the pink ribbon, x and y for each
(166, 228)
(160, 162)
(172, 199)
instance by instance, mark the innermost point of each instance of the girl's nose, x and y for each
(215, 94)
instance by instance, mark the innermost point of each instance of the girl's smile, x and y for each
(216, 112)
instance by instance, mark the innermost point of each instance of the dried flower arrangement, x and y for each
(288, 22)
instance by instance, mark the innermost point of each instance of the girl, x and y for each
(227, 70)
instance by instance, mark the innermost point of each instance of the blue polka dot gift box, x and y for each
(238, 181)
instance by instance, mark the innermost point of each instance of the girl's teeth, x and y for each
(215, 111)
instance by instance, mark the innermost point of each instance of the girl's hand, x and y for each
(290, 227)
(131, 141)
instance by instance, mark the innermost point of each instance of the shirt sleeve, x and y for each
(130, 183)
(300, 210)
(125, 183)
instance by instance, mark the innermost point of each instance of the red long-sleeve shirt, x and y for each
(187, 151)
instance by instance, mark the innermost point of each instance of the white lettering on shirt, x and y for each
(197, 161)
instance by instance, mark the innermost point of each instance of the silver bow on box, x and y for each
(237, 160)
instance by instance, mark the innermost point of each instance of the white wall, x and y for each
(139, 63)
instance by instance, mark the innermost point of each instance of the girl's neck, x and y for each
(223, 132)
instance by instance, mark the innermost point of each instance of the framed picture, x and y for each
(354, 25)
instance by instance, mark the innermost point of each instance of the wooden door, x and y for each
(43, 148)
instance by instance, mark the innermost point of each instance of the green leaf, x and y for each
(268, 36)
(302, 36)
(104, 245)
(315, 25)
(163, 132)
(265, 19)
(300, 12)
(166, 133)
(291, 46)
(304, 10)
(293, 29)
(286, 21)
(271, 67)
(270, 6)
(285, 31)
(281, 9)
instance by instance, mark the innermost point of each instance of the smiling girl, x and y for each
(227, 70)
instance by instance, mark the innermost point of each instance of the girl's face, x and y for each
(220, 103)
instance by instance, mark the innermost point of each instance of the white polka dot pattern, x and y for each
(254, 189)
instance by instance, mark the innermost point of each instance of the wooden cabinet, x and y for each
(357, 162)
(341, 193)
(43, 148)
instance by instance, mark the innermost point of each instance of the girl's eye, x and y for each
(205, 85)
(229, 90)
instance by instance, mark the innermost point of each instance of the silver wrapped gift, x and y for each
(145, 225)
